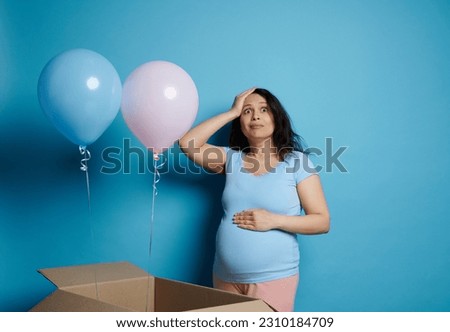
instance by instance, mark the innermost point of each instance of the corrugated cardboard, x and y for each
(125, 287)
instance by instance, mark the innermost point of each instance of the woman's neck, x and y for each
(262, 149)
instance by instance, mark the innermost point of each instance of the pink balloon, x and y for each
(159, 104)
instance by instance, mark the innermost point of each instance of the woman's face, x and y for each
(257, 122)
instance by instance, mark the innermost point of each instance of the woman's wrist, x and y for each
(234, 112)
(277, 221)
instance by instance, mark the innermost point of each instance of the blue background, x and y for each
(372, 75)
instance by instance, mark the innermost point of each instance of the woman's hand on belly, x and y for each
(255, 219)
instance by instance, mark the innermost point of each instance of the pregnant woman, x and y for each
(269, 182)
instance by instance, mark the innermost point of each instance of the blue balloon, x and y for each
(80, 92)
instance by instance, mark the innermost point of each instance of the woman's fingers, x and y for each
(246, 92)
(239, 99)
(243, 216)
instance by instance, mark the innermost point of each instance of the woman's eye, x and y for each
(264, 110)
(247, 111)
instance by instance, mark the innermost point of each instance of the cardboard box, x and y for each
(125, 287)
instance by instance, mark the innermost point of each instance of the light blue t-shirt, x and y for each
(246, 256)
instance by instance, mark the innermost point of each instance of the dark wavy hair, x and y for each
(284, 137)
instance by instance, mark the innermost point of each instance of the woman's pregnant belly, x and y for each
(242, 252)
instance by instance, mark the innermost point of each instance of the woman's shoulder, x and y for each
(232, 153)
(232, 150)
(295, 156)
(298, 154)
(300, 162)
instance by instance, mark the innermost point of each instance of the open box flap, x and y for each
(173, 295)
(250, 306)
(62, 301)
(90, 274)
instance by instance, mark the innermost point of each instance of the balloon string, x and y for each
(158, 163)
(84, 167)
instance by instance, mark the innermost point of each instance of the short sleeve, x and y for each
(301, 166)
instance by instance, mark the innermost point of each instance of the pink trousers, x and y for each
(279, 294)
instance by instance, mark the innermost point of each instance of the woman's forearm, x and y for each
(307, 224)
(263, 220)
(199, 135)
